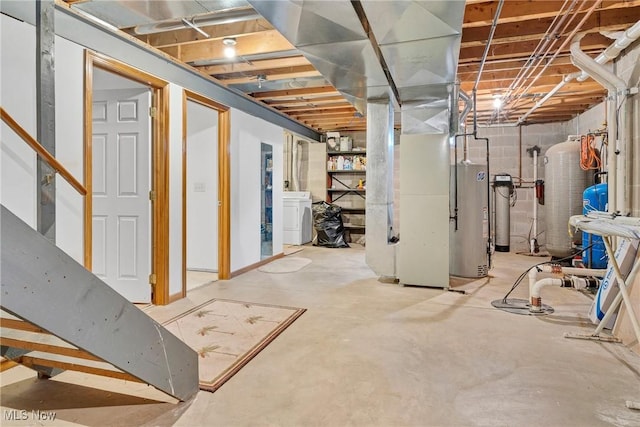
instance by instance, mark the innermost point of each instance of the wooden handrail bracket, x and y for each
(42, 152)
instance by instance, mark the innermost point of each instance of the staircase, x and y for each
(58, 316)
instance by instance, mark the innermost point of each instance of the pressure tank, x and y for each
(565, 182)
(594, 199)
(468, 244)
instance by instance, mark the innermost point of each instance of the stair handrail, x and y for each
(42, 152)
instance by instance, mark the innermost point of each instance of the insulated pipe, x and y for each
(616, 87)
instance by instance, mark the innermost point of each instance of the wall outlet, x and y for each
(199, 187)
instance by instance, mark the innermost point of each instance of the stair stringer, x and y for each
(43, 285)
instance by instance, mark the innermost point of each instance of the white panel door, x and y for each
(121, 182)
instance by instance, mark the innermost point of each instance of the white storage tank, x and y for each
(468, 244)
(565, 182)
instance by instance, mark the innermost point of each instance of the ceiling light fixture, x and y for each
(497, 102)
(261, 78)
(229, 47)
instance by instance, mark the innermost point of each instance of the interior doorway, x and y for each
(121, 165)
(126, 176)
(206, 246)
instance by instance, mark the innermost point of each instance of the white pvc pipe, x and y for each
(616, 47)
(552, 92)
(597, 272)
(294, 157)
(617, 148)
(535, 203)
(536, 300)
(547, 281)
(535, 285)
(607, 55)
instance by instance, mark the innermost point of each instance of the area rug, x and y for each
(287, 264)
(228, 334)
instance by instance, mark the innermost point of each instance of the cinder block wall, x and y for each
(508, 154)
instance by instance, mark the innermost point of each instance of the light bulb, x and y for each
(230, 52)
(497, 102)
(229, 47)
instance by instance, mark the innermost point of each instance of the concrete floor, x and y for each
(368, 353)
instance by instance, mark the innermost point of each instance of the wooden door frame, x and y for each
(224, 185)
(159, 166)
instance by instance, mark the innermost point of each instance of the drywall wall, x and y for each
(18, 98)
(202, 187)
(247, 132)
(175, 189)
(17, 163)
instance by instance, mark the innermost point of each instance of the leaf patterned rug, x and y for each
(227, 334)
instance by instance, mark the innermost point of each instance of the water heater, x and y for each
(468, 244)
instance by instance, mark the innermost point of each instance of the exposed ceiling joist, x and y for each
(272, 71)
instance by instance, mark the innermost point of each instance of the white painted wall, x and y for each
(18, 97)
(247, 132)
(202, 187)
(175, 189)
(18, 162)
(69, 146)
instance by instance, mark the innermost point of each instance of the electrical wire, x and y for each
(526, 272)
(589, 158)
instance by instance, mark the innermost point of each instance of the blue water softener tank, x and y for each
(594, 198)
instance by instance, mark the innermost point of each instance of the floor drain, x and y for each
(520, 306)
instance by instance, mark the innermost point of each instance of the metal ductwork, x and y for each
(165, 15)
(216, 18)
(404, 51)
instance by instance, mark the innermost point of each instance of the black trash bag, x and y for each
(327, 220)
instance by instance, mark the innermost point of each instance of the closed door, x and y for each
(121, 225)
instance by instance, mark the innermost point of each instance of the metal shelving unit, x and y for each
(342, 188)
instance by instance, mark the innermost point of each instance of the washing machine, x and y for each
(297, 217)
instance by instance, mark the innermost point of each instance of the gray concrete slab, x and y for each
(368, 353)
